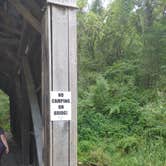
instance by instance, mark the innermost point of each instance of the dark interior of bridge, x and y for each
(20, 61)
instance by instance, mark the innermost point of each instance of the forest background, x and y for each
(121, 83)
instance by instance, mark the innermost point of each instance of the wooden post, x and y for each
(59, 71)
(35, 110)
(23, 116)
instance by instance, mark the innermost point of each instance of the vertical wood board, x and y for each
(60, 38)
(73, 85)
(46, 84)
(35, 110)
(60, 81)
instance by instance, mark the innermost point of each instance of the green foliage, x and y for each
(97, 6)
(4, 111)
(122, 84)
(99, 157)
(128, 144)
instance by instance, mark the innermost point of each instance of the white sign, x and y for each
(60, 105)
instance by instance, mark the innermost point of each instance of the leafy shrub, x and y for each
(99, 157)
(4, 111)
(99, 94)
(128, 144)
(85, 146)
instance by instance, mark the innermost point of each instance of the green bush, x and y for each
(4, 111)
(128, 144)
(99, 157)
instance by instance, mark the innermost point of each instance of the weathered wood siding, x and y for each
(59, 71)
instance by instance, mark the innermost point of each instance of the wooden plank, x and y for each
(25, 34)
(60, 35)
(49, 39)
(50, 77)
(35, 111)
(16, 112)
(46, 51)
(34, 8)
(26, 15)
(60, 82)
(12, 112)
(25, 148)
(73, 85)
(26, 123)
(24, 119)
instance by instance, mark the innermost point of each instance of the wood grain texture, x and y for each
(23, 123)
(35, 110)
(73, 85)
(46, 51)
(25, 130)
(60, 39)
(60, 81)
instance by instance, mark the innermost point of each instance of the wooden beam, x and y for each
(59, 70)
(25, 34)
(26, 14)
(24, 119)
(73, 84)
(45, 91)
(59, 81)
(25, 125)
(30, 88)
(35, 110)
(34, 8)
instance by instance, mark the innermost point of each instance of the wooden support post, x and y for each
(25, 123)
(59, 70)
(35, 110)
(15, 124)
(24, 118)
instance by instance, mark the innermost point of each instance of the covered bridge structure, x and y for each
(37, 58)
